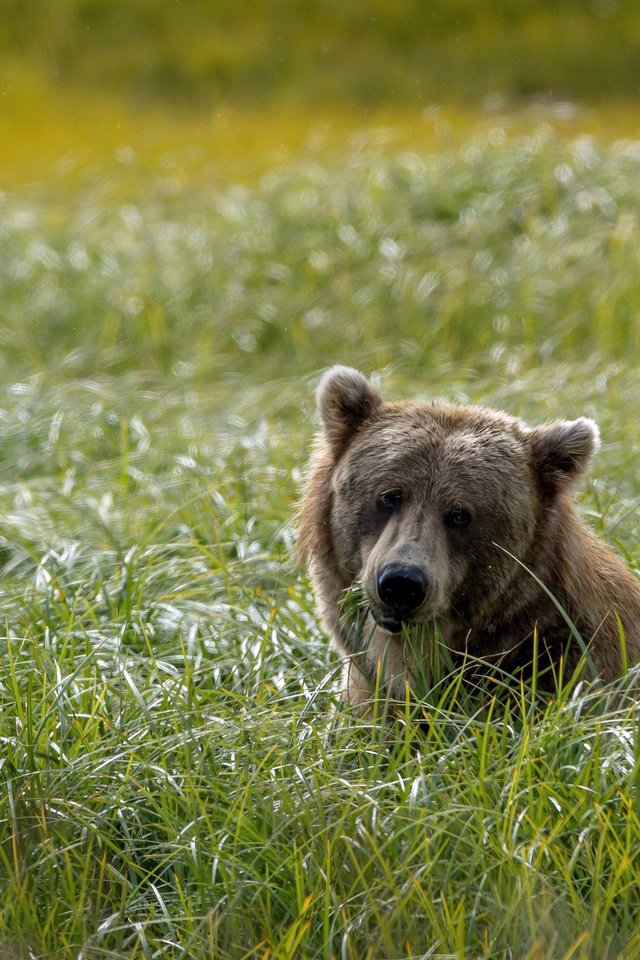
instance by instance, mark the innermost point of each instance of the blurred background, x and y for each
(82, 73)
(220, 183)
(197, 54)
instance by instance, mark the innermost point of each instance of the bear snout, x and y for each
(402, 588)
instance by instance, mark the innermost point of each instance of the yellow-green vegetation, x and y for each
(177, 779)
(368, 52)
(80, 77)
(52, 132)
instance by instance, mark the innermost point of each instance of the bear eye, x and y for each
(458, 516)
(389, 500)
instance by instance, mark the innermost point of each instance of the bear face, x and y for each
(421, 525)
(455, 515)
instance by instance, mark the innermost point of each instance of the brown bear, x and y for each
(454, 525)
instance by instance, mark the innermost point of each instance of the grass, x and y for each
(177, 777)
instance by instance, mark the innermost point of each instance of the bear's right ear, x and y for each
(345, 400)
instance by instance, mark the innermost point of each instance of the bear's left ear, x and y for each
(562, 450)
(345, 400)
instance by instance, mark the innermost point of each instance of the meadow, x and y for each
(178, 779)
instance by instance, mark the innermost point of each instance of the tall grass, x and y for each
(502, 246)
(178, 779)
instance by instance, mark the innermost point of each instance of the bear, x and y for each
(429, 523)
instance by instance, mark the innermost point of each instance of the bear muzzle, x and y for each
(402, 589)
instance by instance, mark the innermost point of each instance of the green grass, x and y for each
(178, 780)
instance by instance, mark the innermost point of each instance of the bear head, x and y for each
(434, 508)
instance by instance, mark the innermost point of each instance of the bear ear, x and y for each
(562, 450)
(345, 400)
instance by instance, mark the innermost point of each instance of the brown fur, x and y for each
(519, 529)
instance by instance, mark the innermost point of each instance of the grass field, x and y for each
(176, 779)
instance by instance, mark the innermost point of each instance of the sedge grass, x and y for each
(177, 777)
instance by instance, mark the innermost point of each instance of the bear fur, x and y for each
(455, 525)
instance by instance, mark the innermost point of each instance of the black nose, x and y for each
(402, 587)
